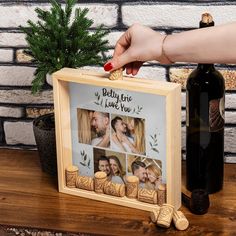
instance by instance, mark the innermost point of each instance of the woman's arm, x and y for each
(140, 43)
(207, 45)
(130, 145)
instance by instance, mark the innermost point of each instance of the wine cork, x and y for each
(85, 182)
(132, 183)
(161, 192)
(207, 18)
(99, 181)
(116, 74)
(114, 189)
(71, 176)
(146, 195)
(154, 215)
(180, 221)
(165, 215)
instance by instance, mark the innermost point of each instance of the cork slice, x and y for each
(72, 168)
(100, 175)
(154, 215)
(132, 179)
(116, 74)
(207, 18)
(162, 187)
(122, 190)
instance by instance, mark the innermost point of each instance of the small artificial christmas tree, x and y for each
(58, 41)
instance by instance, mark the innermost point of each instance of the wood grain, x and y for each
(30, 198)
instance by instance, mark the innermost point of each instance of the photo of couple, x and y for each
(147, 170)
(119, 133)
(93, 127)
(114, 164)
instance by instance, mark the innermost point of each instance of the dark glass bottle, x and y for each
(205, 96)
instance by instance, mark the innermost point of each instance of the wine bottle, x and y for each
(205, 102)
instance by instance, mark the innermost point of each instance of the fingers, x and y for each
(121, 55)
(136, 67)
(128, 68)
(133, 68)
(122, 44)
(125, 53)
(118, 61)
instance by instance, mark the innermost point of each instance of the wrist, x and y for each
(165, 57)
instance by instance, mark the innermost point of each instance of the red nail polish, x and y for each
(108, 66)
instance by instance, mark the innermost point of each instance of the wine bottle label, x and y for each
(216, 114)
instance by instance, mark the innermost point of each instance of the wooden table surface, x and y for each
(30, 198)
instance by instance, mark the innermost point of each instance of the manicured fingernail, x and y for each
(108, 66)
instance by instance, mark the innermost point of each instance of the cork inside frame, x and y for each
(171, 91)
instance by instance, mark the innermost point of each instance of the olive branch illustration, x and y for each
(99, 100)
(137, 110)
(154, 143)
(86, 161)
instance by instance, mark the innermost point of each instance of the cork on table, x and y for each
(30, 198)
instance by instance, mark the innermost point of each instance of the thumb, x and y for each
(118, 61)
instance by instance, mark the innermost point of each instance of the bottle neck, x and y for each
(206, 67)
(206, 22)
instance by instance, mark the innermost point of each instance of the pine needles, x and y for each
(57, 40)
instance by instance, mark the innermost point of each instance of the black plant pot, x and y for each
(44, 132)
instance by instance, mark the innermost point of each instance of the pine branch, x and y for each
(55, 42)
(40, 77)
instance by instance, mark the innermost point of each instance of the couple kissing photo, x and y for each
(119, 133)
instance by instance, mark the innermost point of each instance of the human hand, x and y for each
(137, 45)
(124, 139)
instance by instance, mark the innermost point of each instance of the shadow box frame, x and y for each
(172, 95)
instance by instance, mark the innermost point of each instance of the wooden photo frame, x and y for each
(118, 141)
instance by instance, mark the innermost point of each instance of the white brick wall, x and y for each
(155, 73)
(19, 133)
(16, 112)
(230, 159)
(113, 37)
(6, 55)
(21, 14)
(230, 137)
(12, 39)
(230, 101)
(183, 99)
(175, 15)
(230, 117)
(101, 14)
(16, 75)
